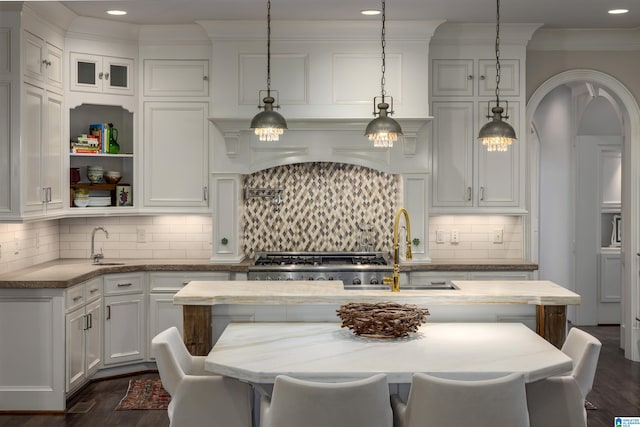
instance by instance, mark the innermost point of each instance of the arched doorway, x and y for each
(630, 113)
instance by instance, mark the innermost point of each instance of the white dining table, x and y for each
(258, 352)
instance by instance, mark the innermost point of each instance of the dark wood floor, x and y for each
(616, 392)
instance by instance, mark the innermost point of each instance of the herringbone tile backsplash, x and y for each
(322, 206)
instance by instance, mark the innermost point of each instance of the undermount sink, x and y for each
(108, 263)
(444, 286)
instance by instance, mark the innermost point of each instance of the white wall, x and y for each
(553, 121)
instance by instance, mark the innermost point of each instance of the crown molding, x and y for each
(586, 39)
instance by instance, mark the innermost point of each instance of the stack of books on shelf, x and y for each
(95, 142)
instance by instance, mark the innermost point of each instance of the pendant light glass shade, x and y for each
(268, 124)
(383, 130)
(497, 135)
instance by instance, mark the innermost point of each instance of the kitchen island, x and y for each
(198, 298)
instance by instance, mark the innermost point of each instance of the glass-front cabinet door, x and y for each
(118, 75)
(101, 74)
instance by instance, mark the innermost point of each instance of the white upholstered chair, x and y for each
(198, 398)
(559, 401)
(299, 403)
(439, 402)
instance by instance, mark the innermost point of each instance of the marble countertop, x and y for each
(537, 292)
(258, 352)
(63, 273)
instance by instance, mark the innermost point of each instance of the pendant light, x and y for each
(497, 135)
(383, 130)
(268, 124)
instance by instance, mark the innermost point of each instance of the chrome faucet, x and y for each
(394, 280)
(97, 257)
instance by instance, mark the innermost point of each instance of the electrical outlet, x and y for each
(497, 235)
(142, 235)
(440, 236)
(455, 237)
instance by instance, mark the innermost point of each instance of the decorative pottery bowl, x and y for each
(95, 173)
(112, 177)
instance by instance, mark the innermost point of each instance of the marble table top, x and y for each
(258, 352)
(538, 292)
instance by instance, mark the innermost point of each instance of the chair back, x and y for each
(296, 403)
(439, 402)
(584, 350)
(172, 358)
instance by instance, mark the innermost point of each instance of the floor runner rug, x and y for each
(145, 394)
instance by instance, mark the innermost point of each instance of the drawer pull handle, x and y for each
(108, 312)
(78, 298)
(185, 283)
(90, 323)
(86, 321)
(438, 282)
(124, 285)
(93, 290)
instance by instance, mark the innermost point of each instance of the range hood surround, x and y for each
(326, 87)
(342, 140)
(237, 152)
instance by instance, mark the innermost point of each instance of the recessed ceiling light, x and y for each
(618, 11)
(117, 12)
(370, 12)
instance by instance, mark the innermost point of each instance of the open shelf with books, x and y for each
(111, 148)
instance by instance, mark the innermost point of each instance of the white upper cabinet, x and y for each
(42, 62)
(176, 129)
(469, 77)
(176, 77)
(466, 177)
(176, 140)
(101, 74)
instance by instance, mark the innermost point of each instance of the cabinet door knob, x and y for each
(482, 77)
(469, 77)
(106, 76)
(481, 193)
(468, 193)
(205, 78)
(100, 74)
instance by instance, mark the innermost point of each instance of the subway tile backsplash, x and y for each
(23, 245)
(476, 237)
(170, 236)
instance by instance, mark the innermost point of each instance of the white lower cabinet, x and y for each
(83, 321)
(162, 287)
(125, 318)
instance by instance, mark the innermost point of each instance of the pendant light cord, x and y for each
(269, 48)
(382, 80)
(498, 53)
